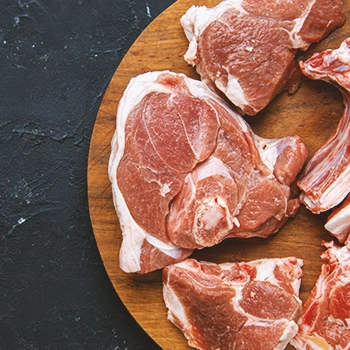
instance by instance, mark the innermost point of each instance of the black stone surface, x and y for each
(56, 59)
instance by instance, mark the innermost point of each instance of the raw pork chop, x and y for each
(326, 179)
(252, 305)
(325, 322)
(338, 223)
(247, 47)
(188, 172)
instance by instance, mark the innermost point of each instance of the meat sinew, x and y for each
(187, 172)
(325, 181)
(253, 305)
(325, 320)
(247, 47)
(338, 222)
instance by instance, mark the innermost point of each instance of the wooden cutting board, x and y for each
(312, 113)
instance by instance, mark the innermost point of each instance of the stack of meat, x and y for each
(187, 172)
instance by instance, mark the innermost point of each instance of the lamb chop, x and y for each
(187, 172)
(246, 48)
(325, 182)
(242, 305)
(325, 320)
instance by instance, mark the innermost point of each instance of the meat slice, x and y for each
(247, 47)
(187, 172)
(338, 222)
(325, 320)
(253, 305)
(325, 181)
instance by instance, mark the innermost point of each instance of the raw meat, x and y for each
(325, 181)
(338, 223)
(253, 305)
(187, 172)
(325, 322)
(247, 47)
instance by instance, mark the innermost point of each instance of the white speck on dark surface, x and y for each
(57, 59)
(148, 11)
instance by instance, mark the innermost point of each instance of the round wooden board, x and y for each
(312, 113)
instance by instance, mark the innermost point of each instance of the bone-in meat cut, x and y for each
(247, 48)
(325, 182)
(326, 313)
(338, 222)
(188, 172)
(243, 305)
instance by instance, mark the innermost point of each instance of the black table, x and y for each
(56, 58)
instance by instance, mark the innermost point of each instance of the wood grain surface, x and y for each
(312, 113)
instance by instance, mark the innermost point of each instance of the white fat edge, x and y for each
(234, 91)
(334, 194)
(265, 272)
(342, 254)
(236, 300)
(197, 18)
(191, 52)
(343, 52)
(295, 38)
(168, 249)
(268, 151)
(288, 334)
(136, 90)
(130, 250)
(175, 307)
(339, 222)
(133, 235)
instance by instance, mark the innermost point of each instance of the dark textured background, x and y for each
(56, 59)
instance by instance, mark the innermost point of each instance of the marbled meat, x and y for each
(247, 48)
(188, 172)
(325, 321)
(253, 305)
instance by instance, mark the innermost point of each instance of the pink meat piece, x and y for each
(325, 320)
(246, 48)
(242, 305)
(325, 182)
(188, 172)
(338, 222)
